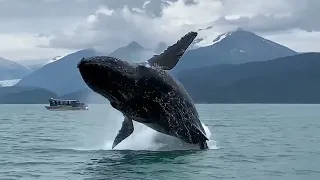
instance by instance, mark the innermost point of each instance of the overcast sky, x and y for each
(43, 29)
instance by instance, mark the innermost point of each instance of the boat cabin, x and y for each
(61, 102)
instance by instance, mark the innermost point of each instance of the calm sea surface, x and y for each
(247, 142)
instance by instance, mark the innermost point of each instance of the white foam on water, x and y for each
(145, 138)
(142, 138)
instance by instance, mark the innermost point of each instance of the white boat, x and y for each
(65, 105)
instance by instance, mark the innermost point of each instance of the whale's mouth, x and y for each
(107, 76)
(105, 68)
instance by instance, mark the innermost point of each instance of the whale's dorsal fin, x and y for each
(170, 57)
(125, 131)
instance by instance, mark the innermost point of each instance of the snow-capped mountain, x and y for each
(206, 37)
(33, 65)
(12, 72)
(232, 47)
(60, 76)
(55, 59)
(228, 48)
(68, 78)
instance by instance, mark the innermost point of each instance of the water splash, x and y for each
(145, 138)
(142, 138)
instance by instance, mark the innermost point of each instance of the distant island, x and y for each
(292, 79)
(237, 67)
(21, 95)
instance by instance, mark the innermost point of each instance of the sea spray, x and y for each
(145, 138)
(108, 122)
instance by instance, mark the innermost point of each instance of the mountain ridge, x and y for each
(292, 79)
(50, 76)
(11, 69)
(59, 76)
(242, 83)
(233, 47)
(133, 52)
(62, 76)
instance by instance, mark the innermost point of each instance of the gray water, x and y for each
(247, 142)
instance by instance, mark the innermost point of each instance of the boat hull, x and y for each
(65, 108)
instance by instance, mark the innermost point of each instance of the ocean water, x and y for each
(246, 142)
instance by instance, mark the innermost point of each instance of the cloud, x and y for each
(134, 21)
(15, 9)
(23, 47)
(276, 16)
(110, 28)
(51, 25)
(297, 39)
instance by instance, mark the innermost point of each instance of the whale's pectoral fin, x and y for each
(170, 57)
(125, 131)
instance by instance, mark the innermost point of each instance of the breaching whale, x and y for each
(147, 93)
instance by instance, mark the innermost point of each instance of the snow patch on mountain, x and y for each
(206, 37)
(55, 59)
(7, 83)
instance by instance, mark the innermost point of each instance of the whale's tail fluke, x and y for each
(170, 57)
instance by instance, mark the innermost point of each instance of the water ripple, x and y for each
(255, 142)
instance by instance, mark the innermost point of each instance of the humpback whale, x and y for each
(147, 93)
